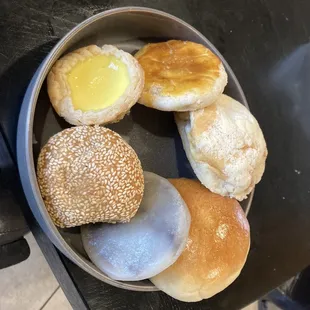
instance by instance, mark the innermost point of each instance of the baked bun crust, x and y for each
(89, 174)
(180, 76)
(60, 92)
(217, 247)
(225, 147)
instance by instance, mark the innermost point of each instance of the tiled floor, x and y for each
(31, 285)
(253, 306)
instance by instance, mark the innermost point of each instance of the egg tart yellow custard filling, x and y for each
(97, 82)
(94, 85)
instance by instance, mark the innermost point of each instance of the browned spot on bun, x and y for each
(203, 123)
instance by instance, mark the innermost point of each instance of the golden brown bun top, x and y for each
(178, 66)
(219, 233)
(217, 247)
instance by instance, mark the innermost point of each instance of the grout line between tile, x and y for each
(48, 299)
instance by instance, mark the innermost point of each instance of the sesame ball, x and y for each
(89, 174)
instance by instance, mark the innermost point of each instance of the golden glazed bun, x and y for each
(89, 174)
(180, 76)
(225, 147)
(60, 92)
(217, 247)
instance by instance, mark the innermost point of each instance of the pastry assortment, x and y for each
(189, 237)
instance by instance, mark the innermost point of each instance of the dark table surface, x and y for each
(266, 44)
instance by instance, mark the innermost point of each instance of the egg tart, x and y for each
(93, 85)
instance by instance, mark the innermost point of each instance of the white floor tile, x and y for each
(59, 301)
(29, 284)
(253, 306)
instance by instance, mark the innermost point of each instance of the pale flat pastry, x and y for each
(180, 76)
(152, 241)
(95, 85)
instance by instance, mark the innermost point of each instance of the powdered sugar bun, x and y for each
(225, 146)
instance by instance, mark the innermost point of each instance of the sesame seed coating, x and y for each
(89, 174)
